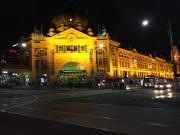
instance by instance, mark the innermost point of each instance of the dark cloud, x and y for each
(121, 18)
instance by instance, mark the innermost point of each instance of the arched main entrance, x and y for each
(72, 70)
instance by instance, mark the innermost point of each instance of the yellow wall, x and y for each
(130, 61)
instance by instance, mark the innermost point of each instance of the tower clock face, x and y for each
(71, 37)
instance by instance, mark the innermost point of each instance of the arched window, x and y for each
(100, 52)
(41, 52)
(101, 59)
(113, 52)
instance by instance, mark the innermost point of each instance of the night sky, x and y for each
(122, 19)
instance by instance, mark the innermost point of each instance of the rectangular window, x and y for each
(115, 73)
(113, 62)
(116, 62)
(65, 48)
(127, 64)
(60, 48)
(72, 48)
(79, 48)
(75, 48)
(100, 62)
(105, 62)
(82, 48)
(122, 63)
(68, 48)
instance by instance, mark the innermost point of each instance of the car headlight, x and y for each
(161, 91)
(168, 85)
(157, 97)
(161, 86)
(162, 96)
(156, 86)
(156, 91)
(127, 87)
(169, 90)
(145, 84)
(169, 95)
(150, 84)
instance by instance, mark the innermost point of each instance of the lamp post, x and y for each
(173, 60)
(145, 23)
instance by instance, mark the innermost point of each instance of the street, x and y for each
(21, 125)
(132, 112)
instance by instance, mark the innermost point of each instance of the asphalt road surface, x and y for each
(132, 112)
(11, 124)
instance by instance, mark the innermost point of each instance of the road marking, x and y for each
(85, 115)
(157, 124)
(62, 121)
(3, 110)
(105, 119)
(111, 105)
(26, 103)
(70, 103)
(95, 104)
(71, 113)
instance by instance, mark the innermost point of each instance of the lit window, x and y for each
(75, 48)
(68, 48)
(82, 48)
(100, 52)
(122, 63)
(60, 48)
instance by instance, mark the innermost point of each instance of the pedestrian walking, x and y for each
(118, 85)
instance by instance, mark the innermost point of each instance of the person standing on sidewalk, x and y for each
(119, 85)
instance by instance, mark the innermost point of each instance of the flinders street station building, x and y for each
(71, 49)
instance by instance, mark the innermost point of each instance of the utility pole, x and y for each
(173, 60)
(40, 69)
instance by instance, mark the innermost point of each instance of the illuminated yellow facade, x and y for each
(72, 50)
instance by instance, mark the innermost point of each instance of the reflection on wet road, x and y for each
(161, 94)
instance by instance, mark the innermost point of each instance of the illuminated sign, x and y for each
(70, 71)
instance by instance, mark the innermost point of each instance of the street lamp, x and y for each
(146, 23)
(24, 45)
(173, 60)
(101, 45)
